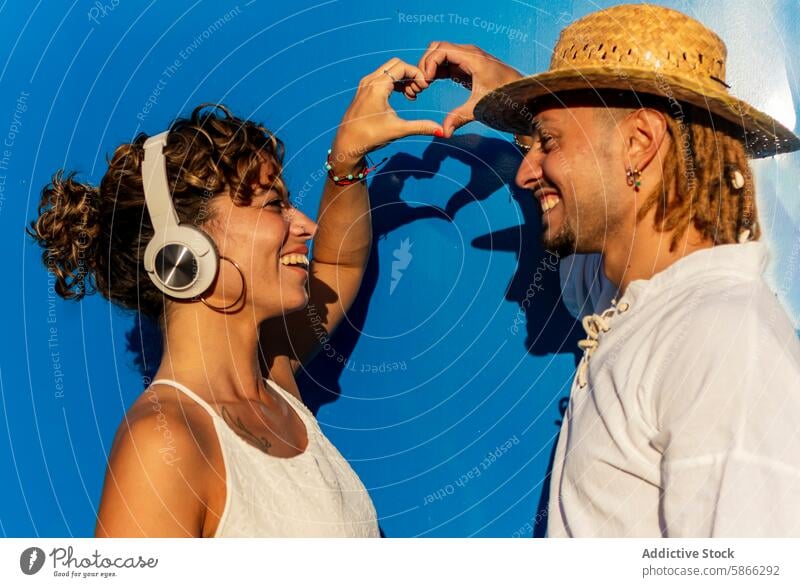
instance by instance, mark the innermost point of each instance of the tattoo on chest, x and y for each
(260, 442)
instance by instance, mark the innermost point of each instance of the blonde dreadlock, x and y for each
(697, 186)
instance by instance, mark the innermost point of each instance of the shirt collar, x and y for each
(748, 260)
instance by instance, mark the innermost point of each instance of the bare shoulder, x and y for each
(159, 471)
(171, 417)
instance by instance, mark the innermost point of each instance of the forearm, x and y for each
(344, 234)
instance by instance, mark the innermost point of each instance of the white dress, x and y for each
(315, 493)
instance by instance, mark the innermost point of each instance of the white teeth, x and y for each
(549, 202)
(294, 259)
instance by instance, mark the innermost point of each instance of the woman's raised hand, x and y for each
(370, 122)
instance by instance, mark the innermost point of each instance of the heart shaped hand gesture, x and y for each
(469, 66)
(370, 121)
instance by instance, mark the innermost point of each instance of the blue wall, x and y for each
(440, 366)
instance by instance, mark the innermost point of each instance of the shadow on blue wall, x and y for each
(550, 328)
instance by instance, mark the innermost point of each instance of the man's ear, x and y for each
(645, 130)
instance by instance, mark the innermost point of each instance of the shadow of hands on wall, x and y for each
(543, 325)
(320, 379)
(535, 287)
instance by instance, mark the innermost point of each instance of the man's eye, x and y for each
(547, 143)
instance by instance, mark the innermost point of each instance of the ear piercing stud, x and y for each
(632, 178)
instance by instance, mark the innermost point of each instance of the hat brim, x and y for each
(511, 108)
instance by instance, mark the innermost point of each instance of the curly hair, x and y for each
(94, 237)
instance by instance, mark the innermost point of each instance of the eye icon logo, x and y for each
(31, 560)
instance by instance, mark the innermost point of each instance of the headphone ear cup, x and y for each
(183, 263)
(207, 264)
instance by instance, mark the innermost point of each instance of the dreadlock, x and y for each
(697, 185)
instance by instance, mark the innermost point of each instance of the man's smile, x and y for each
(548, 199)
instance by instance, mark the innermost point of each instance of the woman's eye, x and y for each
(278, 203)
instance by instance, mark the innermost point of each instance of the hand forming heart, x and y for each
(371, 122)
(469, 66)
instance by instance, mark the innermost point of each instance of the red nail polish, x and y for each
(438, 132)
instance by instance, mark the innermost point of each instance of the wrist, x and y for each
(345, 172)
(343, 166)
(346, 153)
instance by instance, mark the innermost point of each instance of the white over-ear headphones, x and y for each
(182, 260)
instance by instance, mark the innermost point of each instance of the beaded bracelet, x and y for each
(350, 178)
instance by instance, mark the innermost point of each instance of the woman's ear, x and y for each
(645, 130)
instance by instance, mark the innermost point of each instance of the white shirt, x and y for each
(689, 422)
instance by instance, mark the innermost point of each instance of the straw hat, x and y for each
(640, 48)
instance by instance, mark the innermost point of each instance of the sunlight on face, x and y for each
(567, 168)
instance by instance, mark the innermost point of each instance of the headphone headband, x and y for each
(156, 189)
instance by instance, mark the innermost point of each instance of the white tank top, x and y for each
(315, 493)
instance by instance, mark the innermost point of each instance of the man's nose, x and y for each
(529, 173)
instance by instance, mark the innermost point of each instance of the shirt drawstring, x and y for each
(594, 324)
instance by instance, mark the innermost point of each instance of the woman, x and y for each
(211, 448)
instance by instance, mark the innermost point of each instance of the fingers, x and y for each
(419, 127)
(457, 118)
(423, 62)
(379, 76)
(372, 120)
(440, 52)
(385, 66)
(409, 79)
(411, 90)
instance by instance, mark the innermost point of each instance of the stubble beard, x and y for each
(563, 243)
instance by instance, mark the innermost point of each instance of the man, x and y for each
(685, 410)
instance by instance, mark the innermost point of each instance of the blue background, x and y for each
(437, 373)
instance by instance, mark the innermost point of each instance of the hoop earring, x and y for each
(224, 309)
(632, 178)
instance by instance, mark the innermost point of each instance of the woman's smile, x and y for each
(296, 259)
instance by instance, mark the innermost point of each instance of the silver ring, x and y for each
(386, 71)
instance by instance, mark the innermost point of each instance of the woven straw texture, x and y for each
(639, 48)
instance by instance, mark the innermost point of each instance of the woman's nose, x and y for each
(302, 225)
